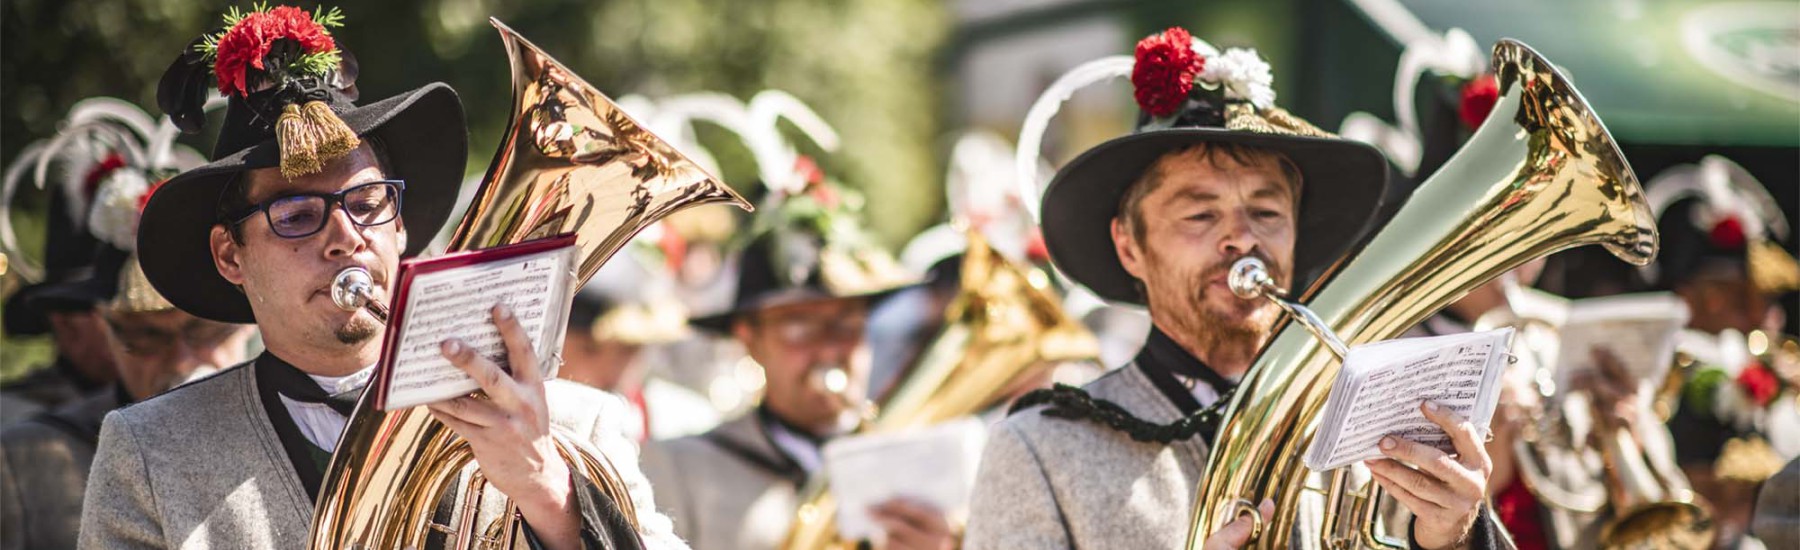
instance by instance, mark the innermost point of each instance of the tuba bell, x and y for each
(570, 161)
(1005, 325)
(1540, 175)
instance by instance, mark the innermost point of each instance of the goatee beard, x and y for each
(1233, 333)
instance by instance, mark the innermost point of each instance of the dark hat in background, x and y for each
(1715, 219)
(632, 299)
(809, 246)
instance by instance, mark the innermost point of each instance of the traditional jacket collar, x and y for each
(1162, 360)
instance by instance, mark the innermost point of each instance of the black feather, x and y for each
(182, 91)
(345, 78)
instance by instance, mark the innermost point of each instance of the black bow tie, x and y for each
(294, 384)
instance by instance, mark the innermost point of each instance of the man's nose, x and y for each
(343, 238)
(1236, 238)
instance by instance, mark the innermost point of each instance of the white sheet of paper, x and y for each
(1380, 388)
(454, 303)
(935, 465)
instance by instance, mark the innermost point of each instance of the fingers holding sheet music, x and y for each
(1445, 491)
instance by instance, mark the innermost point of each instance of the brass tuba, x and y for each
(570, 161)
(1005, 325)
(1540, 175)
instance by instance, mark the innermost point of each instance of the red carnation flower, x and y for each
(244, 46)
(1728, 234)
(144, 199)
(1164, 71)
(1759, 383)
(808, 170)
(91, 184)
(1479, 95)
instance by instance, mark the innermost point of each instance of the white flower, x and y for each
(114, 215)
(1244, 74)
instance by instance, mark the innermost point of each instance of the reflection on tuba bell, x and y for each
(1004, 326)
(1540, 175)
(570, 162)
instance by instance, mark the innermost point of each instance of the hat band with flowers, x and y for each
(284, 64)
(1180, 81)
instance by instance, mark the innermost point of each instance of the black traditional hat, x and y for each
(807, 247)
(1715, 213)
(1190, 93)
(632, 298)
(290, 92)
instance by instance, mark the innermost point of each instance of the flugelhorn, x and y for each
(570, 162)
(1005, 324)
(1541, 174)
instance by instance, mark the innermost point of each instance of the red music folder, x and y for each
(451, 296)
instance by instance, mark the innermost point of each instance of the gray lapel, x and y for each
(293, 507)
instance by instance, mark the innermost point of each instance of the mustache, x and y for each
(1223, 268)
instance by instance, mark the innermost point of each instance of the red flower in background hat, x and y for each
(1759, 383)
(248, 41)
(1728, 234)
(1165, 70)
(1479, 95)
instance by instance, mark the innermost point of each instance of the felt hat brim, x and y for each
(1342, 188)
(426, 143)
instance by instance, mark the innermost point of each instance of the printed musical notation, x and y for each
(455, 303)
(1379, 390)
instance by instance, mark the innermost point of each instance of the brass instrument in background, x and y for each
(1540, 175)
(570, 161)
(1652, 505)
(1004, 326)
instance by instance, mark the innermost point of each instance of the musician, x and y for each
(83, 364)
(1156, 219)
(44, 460)
(256, 236)
(802, 304)
(627, 309)
(1722, 253)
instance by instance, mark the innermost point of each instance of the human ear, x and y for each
(1127, 247)
(225, 255)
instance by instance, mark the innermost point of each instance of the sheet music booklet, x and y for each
(450, 296)
(1380, 388)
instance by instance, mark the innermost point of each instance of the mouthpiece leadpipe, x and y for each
(354, 289)
(1249, 279)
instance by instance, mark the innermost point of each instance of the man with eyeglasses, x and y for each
(802, 304)
(303, 184)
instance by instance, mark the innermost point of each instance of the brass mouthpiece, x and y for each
(354, 289)
(1250, 279)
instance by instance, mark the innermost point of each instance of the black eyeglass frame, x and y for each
(331, 199)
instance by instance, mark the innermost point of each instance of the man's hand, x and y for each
(1233, 535)
(508, 429)
(1614, 392)
(913, 525)
(1444, 493)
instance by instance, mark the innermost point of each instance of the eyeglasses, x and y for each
(301, 215)
(146, 340)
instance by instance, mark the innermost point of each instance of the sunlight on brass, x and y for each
(570, 161)
(1540, 175)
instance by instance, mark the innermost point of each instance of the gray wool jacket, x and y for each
(1047, 482)
(729, 488)
(202, 467)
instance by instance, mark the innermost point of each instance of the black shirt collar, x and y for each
(1162, 359)
(293, 383)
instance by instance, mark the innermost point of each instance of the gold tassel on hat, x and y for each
(310, 136)
(1772, 270)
